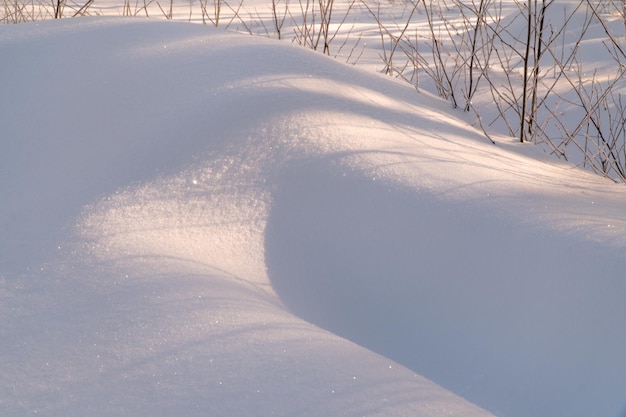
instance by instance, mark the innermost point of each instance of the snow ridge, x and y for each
(197, 222)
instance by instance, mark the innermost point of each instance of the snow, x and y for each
(197, 222)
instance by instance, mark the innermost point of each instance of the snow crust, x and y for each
(196, 222)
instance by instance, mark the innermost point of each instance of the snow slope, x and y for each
(196, 222)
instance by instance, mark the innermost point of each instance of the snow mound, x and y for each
(196, 222)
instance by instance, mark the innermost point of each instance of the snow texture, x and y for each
(196, 222)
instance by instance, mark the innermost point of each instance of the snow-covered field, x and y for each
(195, 222)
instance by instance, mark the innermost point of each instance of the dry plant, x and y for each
(391, 39)
(211, 11)
(313, 26)
(279, 14)
(136, 8)
(530, 65)
(17, 11)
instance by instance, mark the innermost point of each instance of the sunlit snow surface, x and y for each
(195, 222)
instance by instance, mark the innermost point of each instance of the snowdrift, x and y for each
(196, 222)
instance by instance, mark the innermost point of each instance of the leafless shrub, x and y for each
(168, 11)
(313, 26)
(279, 15)
(211, 11)
(17, 11)
(529, 63)
(136, 8)
(391, 38)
